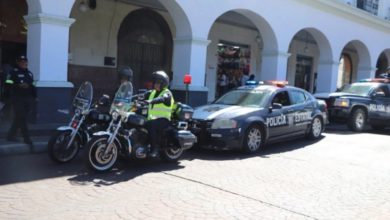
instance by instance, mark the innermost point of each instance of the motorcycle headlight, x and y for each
(224, 124)
(115, 115)
(341, 102)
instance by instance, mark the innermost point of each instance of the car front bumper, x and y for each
(219, 139)
(338, 114)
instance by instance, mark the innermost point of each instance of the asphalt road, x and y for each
(342, 176)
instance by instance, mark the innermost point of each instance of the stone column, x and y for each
(327, 76)
(365, 72)
(190, 57)
(47, 50)
(274, 65)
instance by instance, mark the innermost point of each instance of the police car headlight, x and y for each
(341, 102)
(224, 124)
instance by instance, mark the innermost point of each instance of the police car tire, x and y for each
(353, 123)
(251, 132)
(316, 124)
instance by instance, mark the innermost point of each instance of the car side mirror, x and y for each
(275, 106)
(379, 94)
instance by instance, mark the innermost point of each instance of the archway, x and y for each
(360, 61)
(144, 44)
(383, 62)
(309, 50)
(237, 55)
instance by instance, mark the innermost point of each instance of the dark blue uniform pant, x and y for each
(155, 129)
(21, 108)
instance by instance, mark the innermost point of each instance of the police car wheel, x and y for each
(253, 139)
(316, 128)
(357, 121)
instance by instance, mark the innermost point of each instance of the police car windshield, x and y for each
(362, 89)
(247, 98)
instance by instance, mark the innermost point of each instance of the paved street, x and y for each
(342, 176)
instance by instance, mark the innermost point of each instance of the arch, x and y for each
(145, 44)
(256, 35)
(361, 59)
(180, 18)
(265, 30)
(383, 62)
(310, 52)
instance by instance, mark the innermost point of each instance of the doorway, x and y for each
(303, 71)
(145, 45)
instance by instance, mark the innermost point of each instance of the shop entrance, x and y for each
(233, 64)
(144, 44)
(303, 71)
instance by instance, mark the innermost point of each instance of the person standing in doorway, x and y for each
(20, 84)
(222, 83)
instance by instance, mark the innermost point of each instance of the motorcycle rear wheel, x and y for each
(57, 147)
(172, 154)
(95, 154)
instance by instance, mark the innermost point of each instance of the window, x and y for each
(297, 97)
(383, 89)
(281, 98)
(370, 6)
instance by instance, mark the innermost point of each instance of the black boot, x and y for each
(155, 151)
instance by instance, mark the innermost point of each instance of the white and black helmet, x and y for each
(161, 77)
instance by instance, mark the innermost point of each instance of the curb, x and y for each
(21, 148)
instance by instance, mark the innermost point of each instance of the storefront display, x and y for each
(234, 62)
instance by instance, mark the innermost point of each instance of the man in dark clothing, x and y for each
(161, 103)
(21, 89)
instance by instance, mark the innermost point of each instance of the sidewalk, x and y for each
(40, 134)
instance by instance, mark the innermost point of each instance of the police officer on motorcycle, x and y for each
(161, 103)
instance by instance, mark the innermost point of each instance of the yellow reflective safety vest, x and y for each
(160, 110)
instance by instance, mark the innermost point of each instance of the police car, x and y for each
(361, 103)
(250, 116)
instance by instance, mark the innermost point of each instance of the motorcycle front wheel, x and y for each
(96, 157)
(58, 147)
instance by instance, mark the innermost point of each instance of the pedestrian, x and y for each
(222, 83)
(244, 78)
(20, 85)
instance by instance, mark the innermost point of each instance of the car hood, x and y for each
(334, 95)
(213, 111)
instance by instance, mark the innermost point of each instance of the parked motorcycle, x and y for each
(65, 143)
(127, 135)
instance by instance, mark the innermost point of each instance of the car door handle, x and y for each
(290, 110)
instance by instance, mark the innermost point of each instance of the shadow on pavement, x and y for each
(124, 171)
(272, 148)
(337, 128)
(35, 167)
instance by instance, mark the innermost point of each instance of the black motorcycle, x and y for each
(65, 143)
(127, 135)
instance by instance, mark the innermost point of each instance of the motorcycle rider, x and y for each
(161, 104)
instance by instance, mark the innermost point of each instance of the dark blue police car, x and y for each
(250, 116)
(361, 103)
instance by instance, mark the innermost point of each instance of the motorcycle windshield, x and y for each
(122, 99)
(83, 98)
